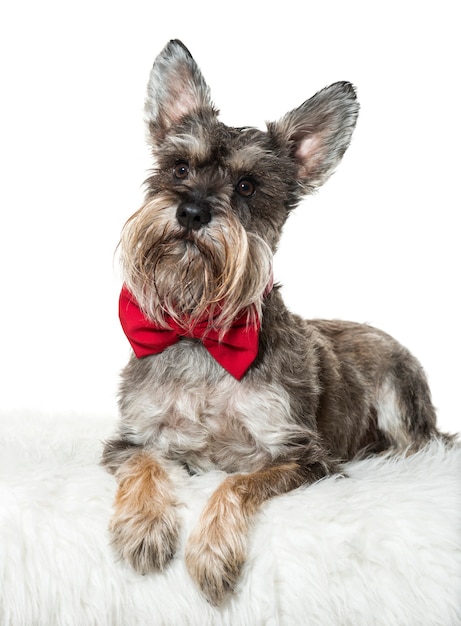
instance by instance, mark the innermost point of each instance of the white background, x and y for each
(379, 243)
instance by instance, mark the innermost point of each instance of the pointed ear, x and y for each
(176, 88)
(319, 132)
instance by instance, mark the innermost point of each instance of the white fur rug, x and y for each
(380, 548)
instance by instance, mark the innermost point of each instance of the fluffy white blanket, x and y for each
(382, 547)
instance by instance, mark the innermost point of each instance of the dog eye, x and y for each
(245, 187)
(181, 170)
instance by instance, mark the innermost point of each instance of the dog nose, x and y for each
(193, 216)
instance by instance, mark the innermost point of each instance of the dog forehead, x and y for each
(235, 149)
(249, 148)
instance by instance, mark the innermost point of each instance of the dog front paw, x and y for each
(146, 541)
(145, 524)
(216, 549)
(215, 565)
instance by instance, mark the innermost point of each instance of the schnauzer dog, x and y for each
(222, 375)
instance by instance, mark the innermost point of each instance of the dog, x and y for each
(222, 375)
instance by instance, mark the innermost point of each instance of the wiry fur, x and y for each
(319, 392)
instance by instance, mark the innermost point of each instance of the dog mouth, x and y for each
(185, 258)
(181, 246)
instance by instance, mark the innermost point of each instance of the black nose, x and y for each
(193, 216)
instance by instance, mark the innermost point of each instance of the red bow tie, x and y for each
(235, 351)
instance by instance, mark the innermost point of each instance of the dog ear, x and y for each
(319, 132)
(176, 88)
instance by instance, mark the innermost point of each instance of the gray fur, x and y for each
(319, 392)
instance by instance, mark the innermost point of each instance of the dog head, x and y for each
(216, 202)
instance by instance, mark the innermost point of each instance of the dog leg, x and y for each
(216, 549)
(144, 526)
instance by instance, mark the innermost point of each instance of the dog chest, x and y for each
(186, 407)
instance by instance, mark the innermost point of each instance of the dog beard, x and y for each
(214, 273)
